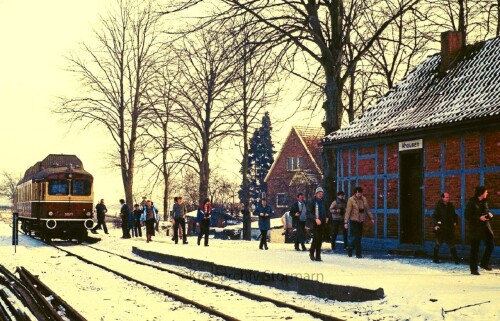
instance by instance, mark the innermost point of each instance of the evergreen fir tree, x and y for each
(260, 158)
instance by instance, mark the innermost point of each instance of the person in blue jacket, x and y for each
(203, 220)
(264, 212)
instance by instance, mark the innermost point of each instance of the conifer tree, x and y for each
(260, 158)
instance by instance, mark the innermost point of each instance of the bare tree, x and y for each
(314, 28)
(117, 71)
(477, 19)
(257, 88)
(159, 147)
(8, 185)
(205, 103)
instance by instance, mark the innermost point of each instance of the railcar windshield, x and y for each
(80, 187)
(58, 187)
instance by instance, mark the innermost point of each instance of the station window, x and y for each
(80, 187)
(58, 187)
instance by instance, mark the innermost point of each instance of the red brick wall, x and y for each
(434, 148)
(472, 148)
(492, 149)
(392, 158)
(432, 155)
(452, 154)
(366, 166)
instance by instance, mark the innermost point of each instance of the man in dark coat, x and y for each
(337, 210)
(298, 212)
(264, 211)
(101, 217)
(478, 215)
(319, 214)
(125, 214)
(444, 220)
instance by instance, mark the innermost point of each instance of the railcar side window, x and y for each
(80, 187)
(58, 187)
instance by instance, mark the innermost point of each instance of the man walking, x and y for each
(337, 210)
(318, 214)
(298, 212)
(101, 217)
(444, 220)
(125, 216)
(355, 214)
(180, 220)
(478, 215)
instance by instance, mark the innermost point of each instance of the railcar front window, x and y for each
(80, 187)
(58, 187)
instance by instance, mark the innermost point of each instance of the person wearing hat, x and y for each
(318, 215)
(355, 214)
(478, 215)
(337, 209)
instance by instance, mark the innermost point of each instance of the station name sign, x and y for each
(411, 144)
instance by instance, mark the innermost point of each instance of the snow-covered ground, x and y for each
(415, 289)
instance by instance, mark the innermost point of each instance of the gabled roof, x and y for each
(310, 138)
(470, 90)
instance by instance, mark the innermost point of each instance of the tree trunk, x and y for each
(204, 174)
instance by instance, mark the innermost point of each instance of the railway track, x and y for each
(211, 297)
(27, 298)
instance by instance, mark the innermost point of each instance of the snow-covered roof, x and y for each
(468, 91)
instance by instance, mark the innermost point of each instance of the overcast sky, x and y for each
(36, 36)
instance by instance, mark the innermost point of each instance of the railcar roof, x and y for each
(54, 163)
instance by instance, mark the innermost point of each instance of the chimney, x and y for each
(451, 44)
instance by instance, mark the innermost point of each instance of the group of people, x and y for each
(445, 219)
(315, 217)
(323, 222)
(342, 215)
(144, 214)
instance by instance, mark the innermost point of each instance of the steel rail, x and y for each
(244, 293)
(175, 296)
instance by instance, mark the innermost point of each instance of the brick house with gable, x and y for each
(297, 168)
(435, 131)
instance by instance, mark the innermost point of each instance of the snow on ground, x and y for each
(415, 289)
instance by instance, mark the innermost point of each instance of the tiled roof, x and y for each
(468, 91)
(312, 138)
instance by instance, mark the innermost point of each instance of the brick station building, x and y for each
(296, 169)
(437, 131)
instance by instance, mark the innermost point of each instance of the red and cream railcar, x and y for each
(55, 198)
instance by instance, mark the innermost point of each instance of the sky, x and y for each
(414, 288)
(36, 36)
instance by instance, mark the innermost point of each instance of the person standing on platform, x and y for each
(298, 212)
(355, 214)
(317, 213)
(479, 216)
(203, 220)
(337, 210)
(137, 231)
(286, 219)
(264, 212)
(101, 217)
(149, 217)
(180, 220)
(444, 220)
(124, 214)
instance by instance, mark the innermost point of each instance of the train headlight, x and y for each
(51, 213)
(89, 214)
